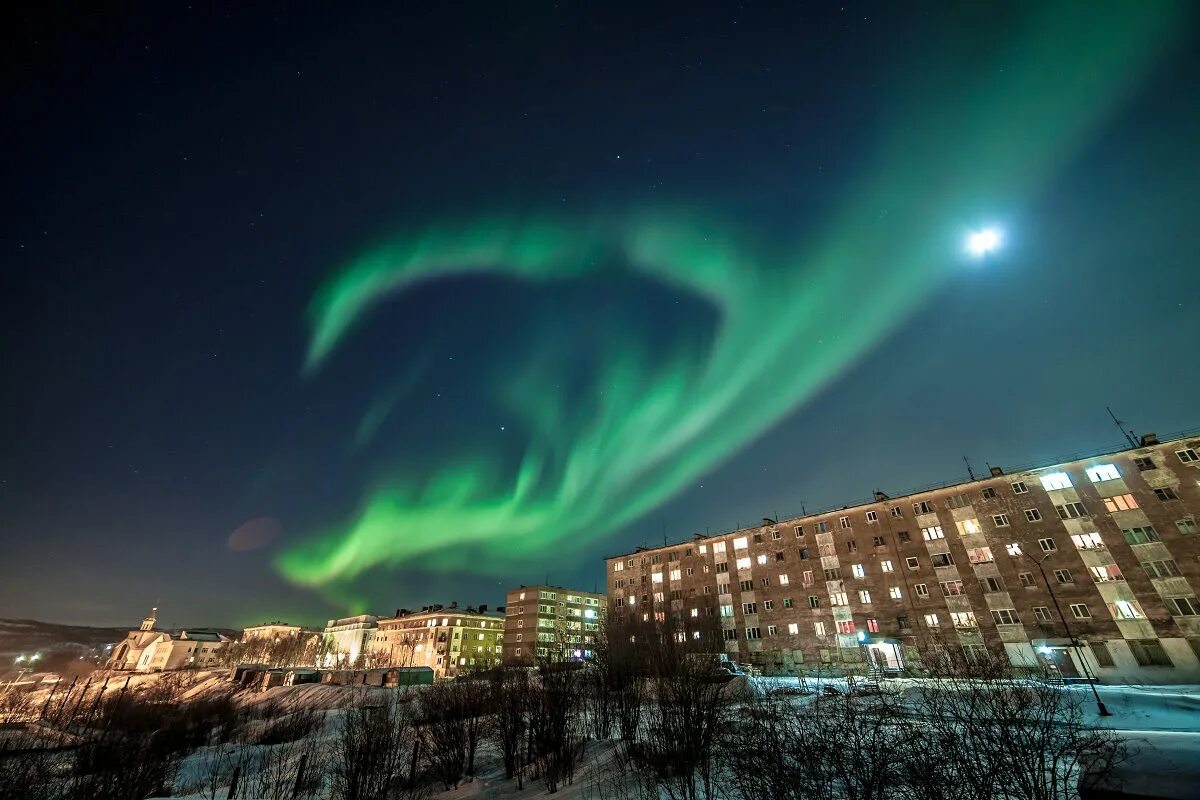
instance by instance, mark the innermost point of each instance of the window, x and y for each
(779, 555)
(822, 527)
(1019, 487)
(923, 507)
(787, 602)
(1126, 609)
(1032, 515)
(838, 599)
(885, 565)
(1005, 616)
(1144, 463)
(1103, 472)
(771, 631)
(656, 577)
(931, 533)
(703, 549)
(858, 571)
(764, 582)
(864, 596)
(758, 538)
(808, 577)
(1071, 511)
(851, 546)
(793, 628)
(799, 531)
(730, 635)
(695, 612)
(1000, 520)
(931, 620)
(903, 536)
(1165, 494)
(691, 571)
(814, 601)
(833, 574)
(676, 575)
(1183, 607)
(988, 493)
(957, 501)
(1064, 576)
(819, 628)
(804, 554)
(617, 567)
(1187, 456)
(1166, 568)
(894, 593)
(1047, 545)
(762, 559)
(872, 516)
(1140, 535)
(902, 621)
(1186, 525)
(718, 547)
(743, 563)
(963, 619)
(980, 555)
(721, 566)
(1103, 656)
(1087, 541)
(1106, 573)
(879, 541)
(952, 588)
(1026, 579)
(784, 580)
(726, 611)
(1056, 480)
(776, 535)
(844, 522)
(845, 626)
(1042, 613)
(746, 586)
(912, 562)
(1149, 653)
(942, 559)
(741, 543)
(1120, 502)
(1080, 611)
(921, 590)
(968, 526)
(895, 511)
(992, 584)
(872, 625)
(753, 633)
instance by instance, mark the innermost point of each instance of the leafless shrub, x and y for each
(555, 725)
(510, 695)
(375, 741)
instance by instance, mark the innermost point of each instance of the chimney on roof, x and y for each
(880, 496)
(996, 471)
(453, 604)
(1149, 439)
(482, 609)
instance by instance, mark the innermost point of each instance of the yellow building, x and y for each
(450, 641)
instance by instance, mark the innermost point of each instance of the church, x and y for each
(150, 650)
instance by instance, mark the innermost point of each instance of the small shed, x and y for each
(298, 677)
(408, 676)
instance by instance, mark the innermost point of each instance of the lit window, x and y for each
(676, 575)
(894, 593)
(1000, 520)
(931, 620)
(718, 547)
(864, 596)
(1120, 502)
(1087, 541)
(1103, 472)
(873, 625)
(656, 577)
(838, 599)
(762, 558)
(932, 532)
(784, 580)
(980, 555)
(741, 543)
(726, 611)
(703, 549)
(968, 526)
(743, 563)
(964, 619)
(1106, 573)
(845, 626)
(617, 567)
(1014, 549)
(1056, 480)
(952, 588)
(858, 571)
(1125, 609)
(695, 612)
(819, 628)
(885, 565)
(793, 628)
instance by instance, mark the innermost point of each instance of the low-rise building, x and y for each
(276, 632)
(151, 650)
(344, 641)
(450, 641)
(1088, 567)
(551, 623)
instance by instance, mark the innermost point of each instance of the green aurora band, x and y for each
(788, 323)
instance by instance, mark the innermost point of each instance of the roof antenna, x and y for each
(1129, 436)
(803, 510)
(664, 523)
(970, 471)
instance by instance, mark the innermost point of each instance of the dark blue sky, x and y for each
(181, 180)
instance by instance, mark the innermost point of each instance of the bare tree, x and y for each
(372, 750)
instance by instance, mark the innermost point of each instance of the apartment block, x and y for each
(451, 641)
(1111, 540)
(550, 622)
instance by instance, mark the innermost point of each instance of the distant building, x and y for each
(451, 641)
(894, 581)
(550, 622)
(276, 631)
(150, 650)
(345, 640)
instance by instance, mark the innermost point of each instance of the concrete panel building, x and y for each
(344, 641)
(451, 641)
(550, 622)
(1113, 540)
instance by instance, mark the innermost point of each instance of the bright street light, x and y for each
(983, 242)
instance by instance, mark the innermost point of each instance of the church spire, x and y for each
(151, 618)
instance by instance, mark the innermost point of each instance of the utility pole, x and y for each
(1104, 712)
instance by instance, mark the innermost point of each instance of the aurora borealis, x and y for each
(390, 306)
(646, 431)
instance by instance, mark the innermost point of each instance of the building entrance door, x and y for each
(885, 656)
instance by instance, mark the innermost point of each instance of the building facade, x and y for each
(344, 641)
(550, 622)
(275, 632)
(1111, 541)
(151, 650)
(450, 641)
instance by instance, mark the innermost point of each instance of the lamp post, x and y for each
(1103, 709)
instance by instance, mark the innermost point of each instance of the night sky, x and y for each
(311, 311)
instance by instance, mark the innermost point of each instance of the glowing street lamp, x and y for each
(983, 242)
